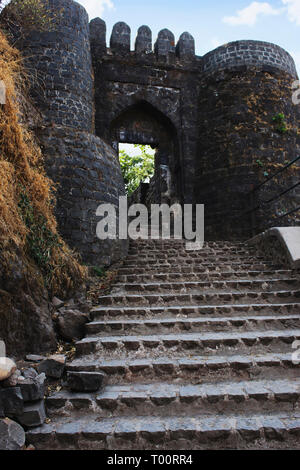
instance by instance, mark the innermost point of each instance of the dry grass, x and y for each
(22, 176)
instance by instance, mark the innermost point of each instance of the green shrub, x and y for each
(281, 125)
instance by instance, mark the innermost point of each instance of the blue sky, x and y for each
(212, 23)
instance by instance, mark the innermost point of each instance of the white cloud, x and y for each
(293, 10)
(249, 15)
(96, 8)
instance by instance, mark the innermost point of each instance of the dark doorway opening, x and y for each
(144, 125)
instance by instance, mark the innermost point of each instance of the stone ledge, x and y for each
(289, 239)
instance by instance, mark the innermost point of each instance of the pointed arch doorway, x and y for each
(143, 124)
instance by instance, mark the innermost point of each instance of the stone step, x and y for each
(204, 298)
(202, 254)
(167, 253)
(163, 244)
(198, 286)
(181, 342)
(188, 368)
(217, 260)
(194, 310)
(197, 352)
(169, 399)
(194, 324)
(197, 268)
(260, 430)
(207, 276)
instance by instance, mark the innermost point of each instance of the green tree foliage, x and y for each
(136, 168)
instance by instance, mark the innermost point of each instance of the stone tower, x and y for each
(85, 168)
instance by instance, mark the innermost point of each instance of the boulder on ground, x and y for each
(11, 402)
(12, 435)
(85, 381)
(32, 389)
(12, 381)
(53, 366)
(71, 324)
(30, 373)
(7, 368)
(34, 358)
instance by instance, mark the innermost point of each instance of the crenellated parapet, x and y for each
(164, 48)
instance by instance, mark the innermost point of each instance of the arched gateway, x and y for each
(210, 118)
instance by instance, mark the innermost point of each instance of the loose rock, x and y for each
(30, 373)
(57, 302)
(34, 358)
(34, 414)
(85, 381)
(7, 368)
(53, 366)
(71, 324)
(12, 381)
(12, 435)
(11, 402)
(30, 447)
(33, 389)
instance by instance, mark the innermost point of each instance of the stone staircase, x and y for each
(197, 351)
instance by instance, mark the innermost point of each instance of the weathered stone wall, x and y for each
(210, 119)
(160, 85)
(88, 173)
(220, 107)
(249, 53)
(85, 168)
(25, 312)
(238, 140)
(59, 63)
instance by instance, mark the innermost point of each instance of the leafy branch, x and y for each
(136, 168)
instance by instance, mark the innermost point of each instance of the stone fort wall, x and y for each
(249, 53)
(209, 117)
(60, 67)
(221, 107)
(85, 168)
